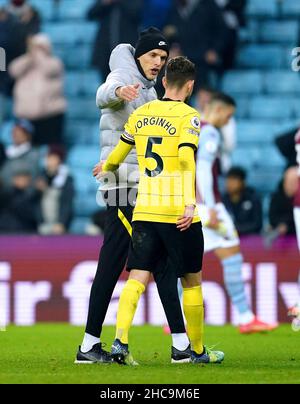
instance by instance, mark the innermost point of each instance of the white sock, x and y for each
(88, 342)
(245, 318)
(180, 341)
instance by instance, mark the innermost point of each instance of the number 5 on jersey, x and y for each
(151, 154)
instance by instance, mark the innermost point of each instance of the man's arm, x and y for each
(206, 156)
(204, 180)
(188, 143)
(187, 167)
(117, 156)
(116, 90)
(120, 152)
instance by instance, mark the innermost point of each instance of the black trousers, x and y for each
(112, 260)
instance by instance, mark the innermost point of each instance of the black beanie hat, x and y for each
(151, 38)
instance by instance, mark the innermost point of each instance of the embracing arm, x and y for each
(188, 170)
(117, 156)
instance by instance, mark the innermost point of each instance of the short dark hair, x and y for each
(180, 70)
(223, 98)
(237, 172)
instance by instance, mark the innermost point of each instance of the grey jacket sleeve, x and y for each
(106, 94)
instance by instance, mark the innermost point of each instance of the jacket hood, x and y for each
(122, 57)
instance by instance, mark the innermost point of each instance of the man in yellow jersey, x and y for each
(165, 221)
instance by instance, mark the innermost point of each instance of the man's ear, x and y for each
(164, 82)
(191, 85)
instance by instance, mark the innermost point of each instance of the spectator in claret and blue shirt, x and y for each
(242, 202)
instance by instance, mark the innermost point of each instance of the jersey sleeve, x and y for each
(117, 156)
(190, 131)
(209, 144)
(129, 130)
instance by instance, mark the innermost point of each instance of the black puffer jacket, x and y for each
(247, 212)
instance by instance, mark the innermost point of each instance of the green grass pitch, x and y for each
(45, 354)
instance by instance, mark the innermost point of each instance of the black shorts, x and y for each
(152, 242)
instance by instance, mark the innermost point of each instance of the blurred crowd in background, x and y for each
(36, 185)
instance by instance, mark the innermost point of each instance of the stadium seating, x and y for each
(242, 107)
(5, 133)
(85, 204)
(256, 132)
(83, 156)
(73, 9)
(260, 8)
(279, 31)
(290, 8)
(267, 107)
(61, 10)
(82, 133)
(240, 82)
(71, 33)
(79, 224)
(83, 108)
(77, 58)
(80, 83)
(261, 56)
(282, 82)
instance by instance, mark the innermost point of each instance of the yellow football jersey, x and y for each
(158, 129)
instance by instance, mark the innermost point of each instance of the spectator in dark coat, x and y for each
(234, 18)
(242, 202)
(119, 21)
(156, 13)
(196, 29)
(29, 22)
(20, 155)
(19, 205)
(2, 155)
(281, 206)
(9, 40)
(286, 145)
(56, 185)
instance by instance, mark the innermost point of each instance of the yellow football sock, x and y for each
(194, 315)
(127, 306)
